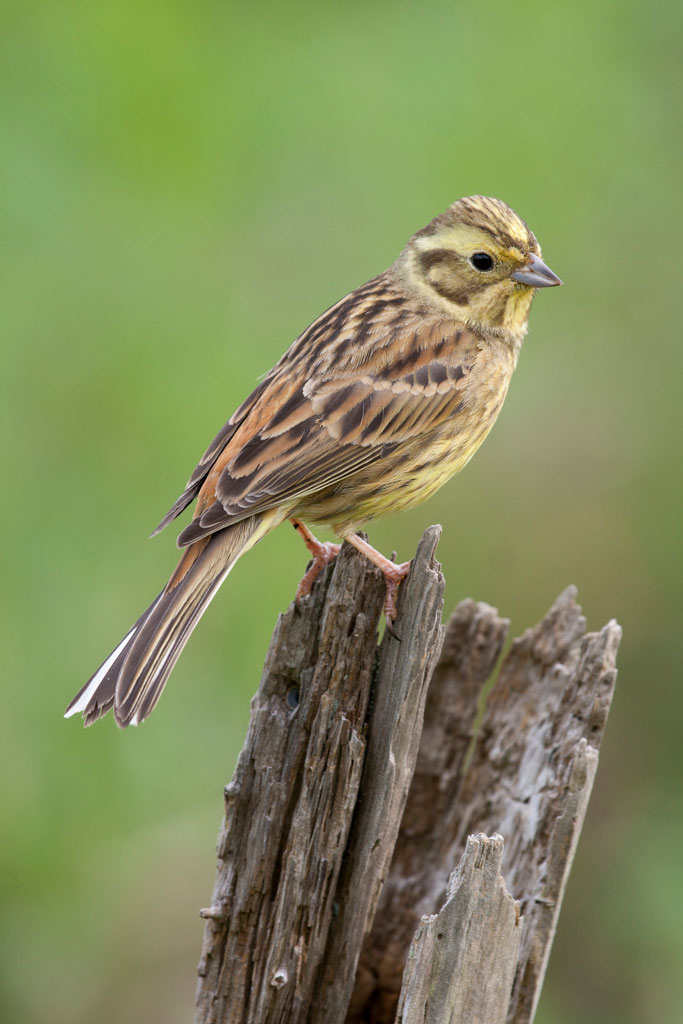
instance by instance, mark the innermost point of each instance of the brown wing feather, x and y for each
(352, 318)
(300, 438)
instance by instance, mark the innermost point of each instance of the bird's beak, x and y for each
(535, 273)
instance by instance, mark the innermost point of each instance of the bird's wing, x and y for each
(343, 327)
(313, 433)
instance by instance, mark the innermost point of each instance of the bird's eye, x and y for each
(481, 261)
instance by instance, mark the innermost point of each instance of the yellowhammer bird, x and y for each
(371, 409)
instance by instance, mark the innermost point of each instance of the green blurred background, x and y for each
(186, 185)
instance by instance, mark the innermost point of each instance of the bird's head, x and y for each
(479, 261)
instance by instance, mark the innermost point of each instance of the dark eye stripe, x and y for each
(432, 257)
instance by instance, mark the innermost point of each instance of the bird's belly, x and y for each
(406, 477)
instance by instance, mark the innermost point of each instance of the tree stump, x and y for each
(361, 777)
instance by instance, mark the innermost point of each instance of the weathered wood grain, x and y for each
(310, 849)
(472, 645)
(285, 926)
(533, 768)
(395, 725)
(462, 961)
(529, 778)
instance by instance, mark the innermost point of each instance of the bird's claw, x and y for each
(393, 575)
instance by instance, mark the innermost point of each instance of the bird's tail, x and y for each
(132, 678)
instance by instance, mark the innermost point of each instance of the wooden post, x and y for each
(345, 817)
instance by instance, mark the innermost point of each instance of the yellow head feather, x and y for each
(437, 264)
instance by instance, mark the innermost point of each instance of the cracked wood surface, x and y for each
(301, 859)
(474, 639)
(324, 780)
(462, 960)
(529, 778)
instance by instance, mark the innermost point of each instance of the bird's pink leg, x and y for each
(322, 553)
(393, 574)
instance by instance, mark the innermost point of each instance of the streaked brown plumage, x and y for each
(370, 410)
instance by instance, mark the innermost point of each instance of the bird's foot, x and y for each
(393, 574)
(322, 554)
(392, 578)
